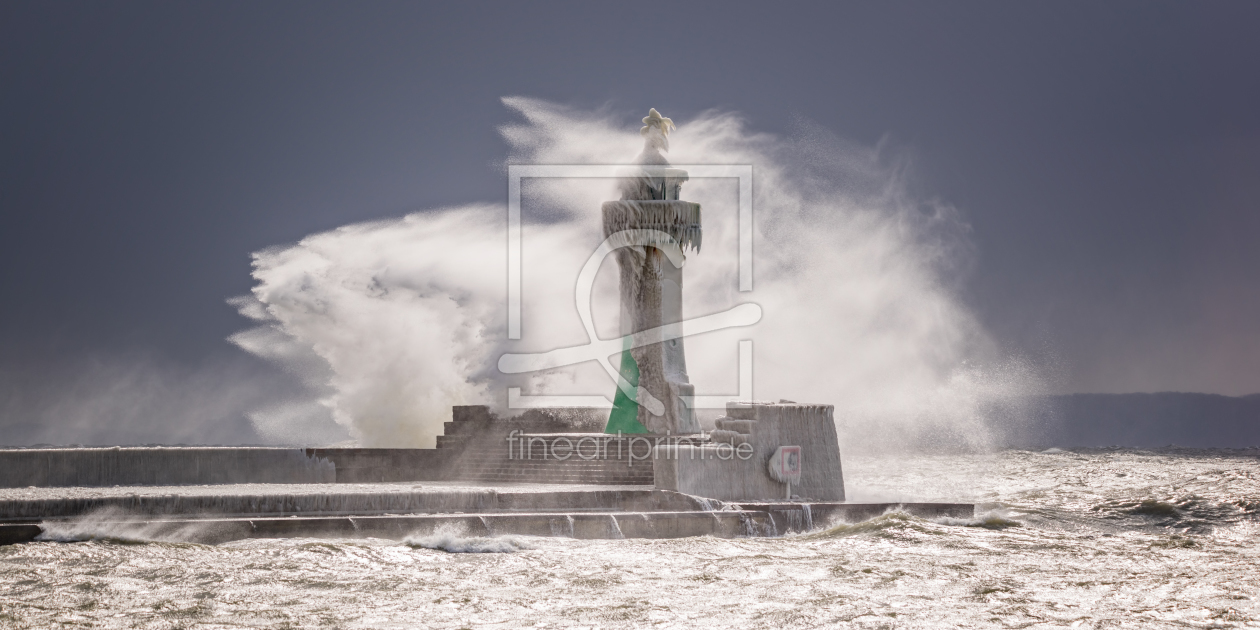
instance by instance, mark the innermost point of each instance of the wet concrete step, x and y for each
(560, 471)
(582, 525)
(537, 474)
(751, 520)
(494, 463)
(610, 466)
(796, 516)
(285, 500)
(512, 478)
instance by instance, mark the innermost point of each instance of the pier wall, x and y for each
(128, 466)
(179, 466)
(734, 467)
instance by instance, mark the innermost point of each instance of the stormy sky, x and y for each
(1105, 155)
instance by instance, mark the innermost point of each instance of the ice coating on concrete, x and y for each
(283, 500)
(166, 465)
(733, 466)
(675, 223)
(651, 290)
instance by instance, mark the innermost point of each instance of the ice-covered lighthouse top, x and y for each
(655, 134)
(658, 181)
(649, 193)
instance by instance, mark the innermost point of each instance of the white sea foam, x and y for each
(455, 543)
(999, 518)
(1080, 556)
(117, 526)
(392, 322)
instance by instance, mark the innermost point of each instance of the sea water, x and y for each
(1088, 539)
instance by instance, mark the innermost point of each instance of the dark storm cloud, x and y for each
(1106, 154)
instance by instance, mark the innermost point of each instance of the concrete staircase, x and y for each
(498, 462)
(476, 448)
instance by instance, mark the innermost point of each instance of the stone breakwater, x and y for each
(215, 514)
(532, 475)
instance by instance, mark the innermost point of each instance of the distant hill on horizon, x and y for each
(1141, 420)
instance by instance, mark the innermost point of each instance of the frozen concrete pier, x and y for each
(474, 448)
(212, 514)
(530, 475)
(287, 500)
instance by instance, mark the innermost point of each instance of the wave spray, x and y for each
(391, 322)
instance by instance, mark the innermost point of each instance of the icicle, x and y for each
(677, 220)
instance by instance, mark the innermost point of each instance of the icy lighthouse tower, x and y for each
(653, 229)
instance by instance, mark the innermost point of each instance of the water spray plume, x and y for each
(395, 321)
